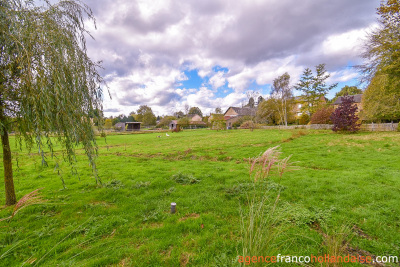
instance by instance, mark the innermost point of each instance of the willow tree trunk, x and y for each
(8, 173)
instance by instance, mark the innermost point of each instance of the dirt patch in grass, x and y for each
(361, 233)
(347, 248)
(101, 203)
(188, 216)
(155, 225)
(125, 262)
(359, 252)
(379, 136)
(167, 253)
(185, 258)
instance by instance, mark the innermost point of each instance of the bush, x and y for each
(248, 125)
(304, 119)
(182, 178)
(322, 115)
(103, 134)
(344, 118)
(218, 125)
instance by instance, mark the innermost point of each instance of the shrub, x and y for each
(240, 121)
(182, 178)
(103, 134)
(398, 127)
(304, 119)
(218, 125)
(248, 125)
(344, 118)
(322, 115)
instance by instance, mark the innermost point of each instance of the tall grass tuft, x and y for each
(32, 198)
(335, 243)
(261, 225)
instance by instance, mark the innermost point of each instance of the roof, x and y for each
(357, 99)
(192, 115)
(133, 122)
(245, 111)
(197, 123)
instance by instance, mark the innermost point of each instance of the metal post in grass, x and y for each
(173, 207)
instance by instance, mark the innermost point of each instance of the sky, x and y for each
(209, 53)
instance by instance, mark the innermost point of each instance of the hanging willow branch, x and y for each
(50, 90)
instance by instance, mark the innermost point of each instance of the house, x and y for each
(174, 125)
(233, 114)
(357, 100)
(195, 121)
(194, 117)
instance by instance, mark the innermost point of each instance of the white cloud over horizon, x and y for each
(148, 48)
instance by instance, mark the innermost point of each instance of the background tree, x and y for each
(218, 122)
(49, 87)
(165, 121)
(381, 49)
(322, 115)
(382, 65)
(146, 115)
(195, 110)
(304, 119)
(282, 92)
(108, 124)
(251, 96)
(187, 108)
(130, 118)
(314, 87)
(267, 112)
(114, 120)
(218, 110)
(179, 114)
(183, 122)
(260, 100)
(345, 118)
(251, 103)
(347, 90)
(381, 100)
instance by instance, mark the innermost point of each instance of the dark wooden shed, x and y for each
(132, 126)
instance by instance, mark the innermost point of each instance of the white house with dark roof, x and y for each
(233, 114)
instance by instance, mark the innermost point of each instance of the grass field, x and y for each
(342, 182)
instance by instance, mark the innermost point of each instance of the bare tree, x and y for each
(187, 107)
(282, 92)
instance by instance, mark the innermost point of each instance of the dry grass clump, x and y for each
(32, 198)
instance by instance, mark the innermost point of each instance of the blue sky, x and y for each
(170, 53)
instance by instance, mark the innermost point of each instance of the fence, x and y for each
(378, 127)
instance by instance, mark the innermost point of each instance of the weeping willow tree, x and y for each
(49, 88)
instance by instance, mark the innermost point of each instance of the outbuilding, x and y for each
(132, 126)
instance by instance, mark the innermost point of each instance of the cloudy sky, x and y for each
(208, 53)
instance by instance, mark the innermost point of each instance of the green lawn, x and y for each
(341, 180)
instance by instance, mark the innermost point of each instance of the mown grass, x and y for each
(342, 180)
